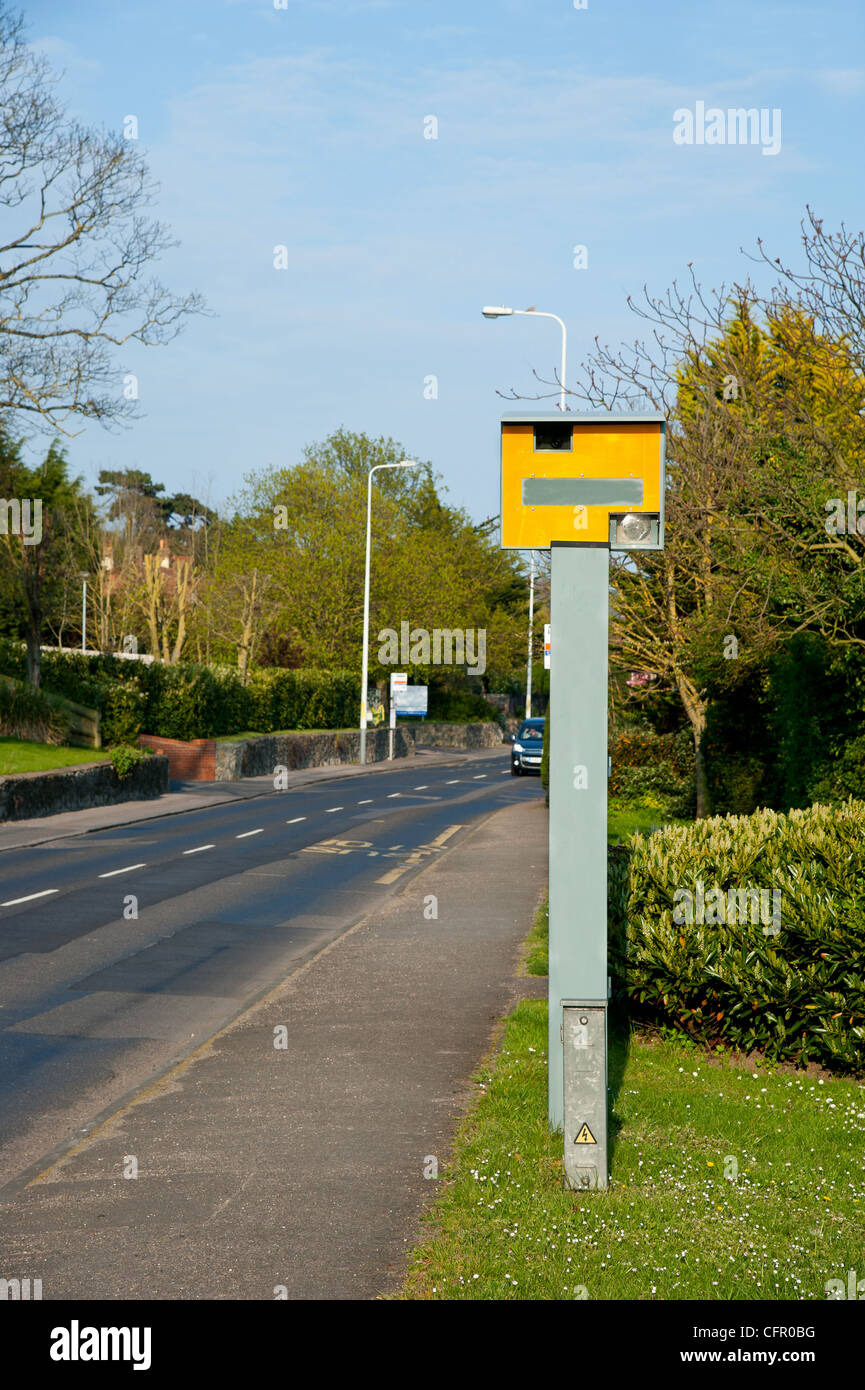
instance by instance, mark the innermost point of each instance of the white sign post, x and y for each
(398, 683)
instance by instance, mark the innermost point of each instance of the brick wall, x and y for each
(194, 761)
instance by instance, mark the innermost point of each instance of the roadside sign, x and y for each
(410, 700)
(398, 681)
(546, 646)
(577, 478)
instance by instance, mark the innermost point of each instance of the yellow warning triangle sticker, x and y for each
(585, 1136)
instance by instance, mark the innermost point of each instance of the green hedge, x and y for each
(191, 701)
(791, 987)
(303, 700)
(461, 707)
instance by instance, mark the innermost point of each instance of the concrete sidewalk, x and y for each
(193, 796)
(300, 1167)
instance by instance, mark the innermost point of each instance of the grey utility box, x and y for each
(584, 1034)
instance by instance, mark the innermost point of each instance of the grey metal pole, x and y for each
(365, 657)
(531, 625)
(84, 616)
(404, 463)
(578, 793)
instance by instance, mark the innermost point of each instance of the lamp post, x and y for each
(405, 463)
(491, 312)
(83, 575)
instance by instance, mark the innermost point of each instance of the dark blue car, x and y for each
(527, 747)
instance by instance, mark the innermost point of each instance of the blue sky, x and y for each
(304, 127)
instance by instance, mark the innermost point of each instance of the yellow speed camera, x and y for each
(591, 479)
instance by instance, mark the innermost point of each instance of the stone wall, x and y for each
(259, 757)
(508, 704)
(29, 794)
(485, 735)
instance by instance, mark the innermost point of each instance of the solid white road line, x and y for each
(246, 834)
(296, 819)
(13, 902)
(198, 849)
(127, 870)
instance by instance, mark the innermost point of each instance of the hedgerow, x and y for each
(192, 701)
(792, 989)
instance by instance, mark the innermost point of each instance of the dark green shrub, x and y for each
(124, 711)
(655, 770)
(792, 989)
(13, 661)
(304, 699)
(187, 702)
(461, 707)
(30, 714)
(191, 701)
(125, 758)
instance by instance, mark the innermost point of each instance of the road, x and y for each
(123, 950)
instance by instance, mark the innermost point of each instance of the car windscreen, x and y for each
(531, 733)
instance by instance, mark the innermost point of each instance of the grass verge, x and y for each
(725, 1184)
(538, 941)
(20, 755)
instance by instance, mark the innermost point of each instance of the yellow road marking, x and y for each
(418, 855)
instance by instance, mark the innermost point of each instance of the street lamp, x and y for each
(490, 311)
(83, 575)
(405, 463)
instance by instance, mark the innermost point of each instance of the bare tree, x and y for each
(166, 600)
(73, 272)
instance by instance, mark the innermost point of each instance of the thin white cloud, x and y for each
(66, 58)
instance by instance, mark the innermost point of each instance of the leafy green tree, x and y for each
(39, 568)
(432, 567)
(764, 413)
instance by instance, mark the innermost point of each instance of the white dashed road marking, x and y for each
(296, 819)
(127, 870)
(13, 902)
(198, 849)
(246, 834)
